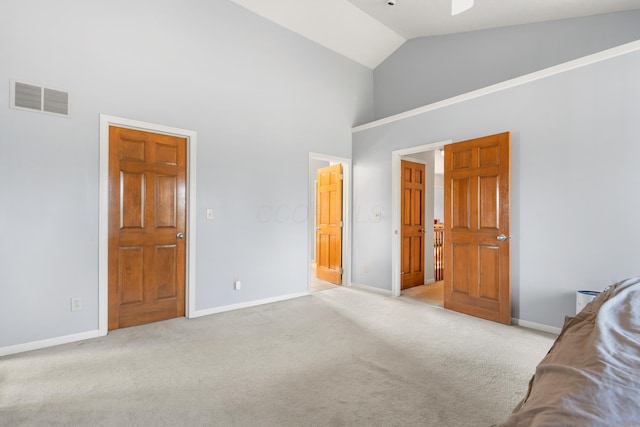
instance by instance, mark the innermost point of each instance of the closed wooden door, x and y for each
(147, 227)
(329, 224)
(412, 226)
(477, 279)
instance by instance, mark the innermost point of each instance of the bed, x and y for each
(591, 375)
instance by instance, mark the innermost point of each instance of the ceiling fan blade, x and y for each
(459, 6)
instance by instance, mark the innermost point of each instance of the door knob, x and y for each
(422, 230)
(502, 237)
(180, 235)
(317, 228)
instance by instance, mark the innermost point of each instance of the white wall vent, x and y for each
(31, 97)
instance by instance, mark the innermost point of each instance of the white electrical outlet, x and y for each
(236, 284)
(209, 214)
(76, 304)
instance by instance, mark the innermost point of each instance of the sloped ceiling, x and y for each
(368, 31)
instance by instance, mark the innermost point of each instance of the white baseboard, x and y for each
(429, 281)
(372, 289)
(36, 345)
(208, 311)
(536, 326)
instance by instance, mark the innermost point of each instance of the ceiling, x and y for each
(368, 31)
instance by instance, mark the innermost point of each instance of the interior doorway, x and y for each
(430, 290)
(329, 213)
(147, 226)
(476, 228)
(106, 122)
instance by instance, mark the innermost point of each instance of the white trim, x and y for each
(372, 289)
(247, 304)
(536, 326)
(429, 281)
(396, 157)
(103, 233)
(508, 84)
(35, 345)
(347, 173)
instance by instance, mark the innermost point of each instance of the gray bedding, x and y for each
(591, 375)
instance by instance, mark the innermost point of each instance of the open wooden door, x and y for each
(147, 227)
(412, 225)
(477, 279)
(329, 224)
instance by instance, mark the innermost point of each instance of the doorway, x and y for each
(107, 122)
(147, 226)
(421, 154)
(418, 179)
(477, 231)
(322, 230)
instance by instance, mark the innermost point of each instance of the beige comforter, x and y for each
(591, 375)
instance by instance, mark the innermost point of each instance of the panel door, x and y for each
(477, 278)
(147, 227)
(329, 224)
(412, 225)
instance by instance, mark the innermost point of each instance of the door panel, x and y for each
(329, 224)
(130, 270)
(460, 195)
(167, 193)
(165, 260)
(147, 209)
(132, 187)
(477, 201)
(489, 189)
(412, 226)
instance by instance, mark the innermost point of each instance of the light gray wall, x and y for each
(259, 96)
(429, 69)
(574, 182)
(438, 198)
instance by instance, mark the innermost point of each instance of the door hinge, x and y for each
(341, 176)
(341, 270)
(341, 224)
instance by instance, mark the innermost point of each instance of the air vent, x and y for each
(28, 96)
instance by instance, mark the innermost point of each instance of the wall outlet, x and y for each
(236, 284)
(366, 268)
(76, 304)
(209, 214)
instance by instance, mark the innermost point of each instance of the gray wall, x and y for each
(259, 96)
(429, 69)
(438, 197)
(574, 182)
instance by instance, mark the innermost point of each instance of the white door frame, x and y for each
(103, 234)
(396, 176)
(346, 216)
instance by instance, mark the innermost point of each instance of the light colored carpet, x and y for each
(341, 357)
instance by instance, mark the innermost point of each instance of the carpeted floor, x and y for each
(341, 357)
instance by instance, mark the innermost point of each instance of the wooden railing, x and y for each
(438, 242)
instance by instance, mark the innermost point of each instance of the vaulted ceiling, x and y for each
(368, 31)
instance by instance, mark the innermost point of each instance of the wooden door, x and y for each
(329, 224)
(477, 279)
(147, 227)
(412, 226)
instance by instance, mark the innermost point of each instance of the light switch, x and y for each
(209, 214)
